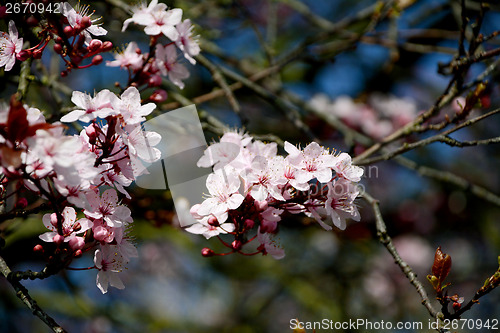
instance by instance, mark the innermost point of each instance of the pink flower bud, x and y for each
(69, 31)
(206, 252)
(76, 243)
(58, 48)
(86, 22)
(100, 233)
(106, 46)
(92, 134)
(97, 60)
(261, 205)
(95, 44)
(155, 81)
(38, 248)
(23, 55)
(58, 239)
(78, 253)
(159, 96)
(53, 219)
(212, 220)
(37, 54)
(236, 245)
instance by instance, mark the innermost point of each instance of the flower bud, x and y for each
(95, 44)
(53, 219)
(58, 239)
(23, 55)
(155, 81)
(38, 248)
(236, 245)
(69, 31)
(106, 46)
(100, 233)
(159, 96)
(64, 73)
(212, 220)
(206, 252)
(92, 134)
(58, 48)
(76, 243)
(97, 60)
(37, 54)
(78, 254)
(85, 22)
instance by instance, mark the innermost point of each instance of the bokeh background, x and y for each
(338, 275)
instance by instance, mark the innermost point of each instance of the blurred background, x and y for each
(338, 275)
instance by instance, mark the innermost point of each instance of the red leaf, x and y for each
(442, 265)
(17, 121)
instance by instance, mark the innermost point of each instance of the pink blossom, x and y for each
(345, 169)
(10, 46)
(263, 178)
(340, 203)
(223, 186)
(313, 160)
(167, 63)
(70, 226)
(109, 262)
(75, 17)
(269, 245)
(156, 19)
(129, 58)
(107, 208)
(130, 108)
(101, 105)
(186, 42)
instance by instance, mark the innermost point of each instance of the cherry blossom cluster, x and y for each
(72, 32)
(379, 117)
(147, 69)
(252, 189)
(72, 171)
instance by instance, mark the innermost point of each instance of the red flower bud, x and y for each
(155, 81)
(78, 254)
(23, 55)
(58, 48)
(37, 54)
(236, 245)
(86, 22)
(69, 31)
(212, 220)
(38, 248)
(97, 60)
(106, 46)
(206, 252)
(159, 96)
(95, 44)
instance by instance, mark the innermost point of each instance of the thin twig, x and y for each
(386, 240)
(23, 294)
